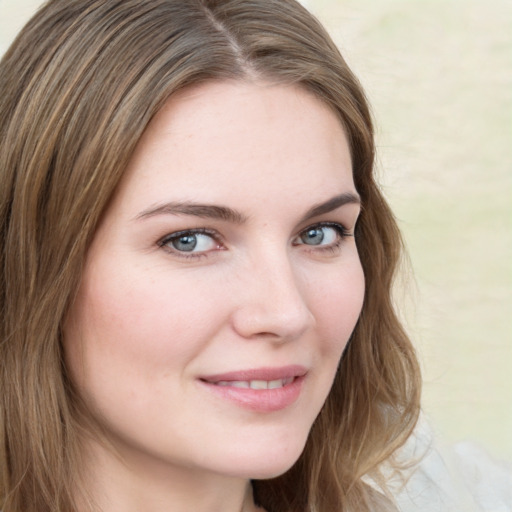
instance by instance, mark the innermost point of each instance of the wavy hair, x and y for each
(78, 87)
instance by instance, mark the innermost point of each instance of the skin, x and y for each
(151, 319)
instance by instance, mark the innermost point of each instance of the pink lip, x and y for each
(267, 373)
(259, 400)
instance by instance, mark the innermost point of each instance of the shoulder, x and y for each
(459, 477)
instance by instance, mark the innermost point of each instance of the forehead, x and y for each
(237, 135)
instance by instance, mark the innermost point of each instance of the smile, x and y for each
(256, 384)
(262, 390)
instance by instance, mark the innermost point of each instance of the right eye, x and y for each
(191, 242)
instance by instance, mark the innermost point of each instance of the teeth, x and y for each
(256, 384)
(274, 384)
(240, 384)
(259, 384)
(233, 383)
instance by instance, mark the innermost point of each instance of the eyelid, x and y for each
(165, 240)
(338, 226)
(190, 231)
(333, 247)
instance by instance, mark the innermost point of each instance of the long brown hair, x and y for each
(77, 89)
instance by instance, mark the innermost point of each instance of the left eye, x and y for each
(190, 242)
(320, 235)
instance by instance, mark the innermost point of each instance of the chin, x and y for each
(263, 463)
(273, 472)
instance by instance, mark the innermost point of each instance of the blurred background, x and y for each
(438, 74)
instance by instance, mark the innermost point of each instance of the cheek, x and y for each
(135, 325)
(338, 303)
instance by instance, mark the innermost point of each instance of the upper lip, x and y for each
(265, 373)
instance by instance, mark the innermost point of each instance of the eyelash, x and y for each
(166, 240)
(342, 234)
(340, 229)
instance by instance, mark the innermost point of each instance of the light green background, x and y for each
(439, 76)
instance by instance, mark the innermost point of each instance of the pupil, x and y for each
(313, 236)
(185, 243)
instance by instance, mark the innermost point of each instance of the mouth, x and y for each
(255, 384)
(260, 390)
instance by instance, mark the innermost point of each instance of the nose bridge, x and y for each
(273, 301)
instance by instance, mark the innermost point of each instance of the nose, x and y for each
(272, 302)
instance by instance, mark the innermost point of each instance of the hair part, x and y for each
(78, 87)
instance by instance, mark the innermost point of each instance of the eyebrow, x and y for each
(207, 211)
(211, 211)
(331, 204)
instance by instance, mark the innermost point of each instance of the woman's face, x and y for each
(222, 284)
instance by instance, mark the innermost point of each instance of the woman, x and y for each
(197, 265)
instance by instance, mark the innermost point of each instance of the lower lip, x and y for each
(259, 400)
